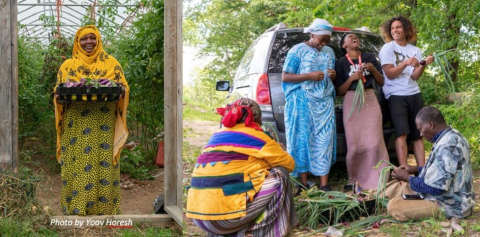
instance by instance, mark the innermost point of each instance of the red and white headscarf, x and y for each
(242, 110)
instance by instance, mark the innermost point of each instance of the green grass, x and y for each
(11, 227)
(149, 232)
(190, 153)
(197, 105)
(194, 111)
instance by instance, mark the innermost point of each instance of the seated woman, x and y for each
(240, 185)
(363, 130)
(90, 135)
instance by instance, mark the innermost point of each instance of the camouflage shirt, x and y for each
(448, 168)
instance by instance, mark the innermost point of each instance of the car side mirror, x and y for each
(222, 86)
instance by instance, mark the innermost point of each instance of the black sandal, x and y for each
(348, 188)
(302, 187)
(325, 188)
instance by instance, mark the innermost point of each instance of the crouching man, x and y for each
(445, 181)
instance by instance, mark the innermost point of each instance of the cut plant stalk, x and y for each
(358, 98)
(316, 206)
(354, 227)
(380, 200)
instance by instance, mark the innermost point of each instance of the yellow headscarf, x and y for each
(96, 65)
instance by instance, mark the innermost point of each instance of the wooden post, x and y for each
(8, 85)
(173, 109)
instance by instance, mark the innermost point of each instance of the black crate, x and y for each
(90, 94)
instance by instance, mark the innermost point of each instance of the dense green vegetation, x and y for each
(441, 25)
(140, 51)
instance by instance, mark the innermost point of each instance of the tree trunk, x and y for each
(456, 29)
(413, 5)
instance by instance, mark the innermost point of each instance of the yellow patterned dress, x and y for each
(91, 182)
(90, 135)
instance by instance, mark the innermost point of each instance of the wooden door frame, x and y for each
(173, 107)
(8, 85)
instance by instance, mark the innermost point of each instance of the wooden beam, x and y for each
(176, 213)
(173, 107)
(112, 221)
(8, 85)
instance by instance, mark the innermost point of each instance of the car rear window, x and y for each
(254, 59)
(286, 40)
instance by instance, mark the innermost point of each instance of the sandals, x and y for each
(348, 188)
(309, 185)
(300, 188)
(355, 188)
(325, 188)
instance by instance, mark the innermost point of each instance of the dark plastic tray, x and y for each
(91, 94)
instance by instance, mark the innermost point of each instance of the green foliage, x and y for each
(134, 163)
(104, 18)
(35, 110)
(464, 117)
(55, 54)
(140, 51)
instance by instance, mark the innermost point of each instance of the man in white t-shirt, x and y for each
(402, 68)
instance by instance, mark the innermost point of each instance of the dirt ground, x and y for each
(197, 133)
(136, 196)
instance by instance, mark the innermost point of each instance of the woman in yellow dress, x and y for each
(90, 135)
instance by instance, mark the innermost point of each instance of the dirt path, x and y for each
(136, 196)
(196, 134)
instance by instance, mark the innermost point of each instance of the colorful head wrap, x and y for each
(319, 27)
(243, 110)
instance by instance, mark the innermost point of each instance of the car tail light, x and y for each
(263, 91)
(341, 29)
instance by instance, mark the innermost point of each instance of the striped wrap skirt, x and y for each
(271, 214)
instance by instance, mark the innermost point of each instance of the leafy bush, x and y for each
(464, 118)
(140, 52)
(34, 116)
(134, 163)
